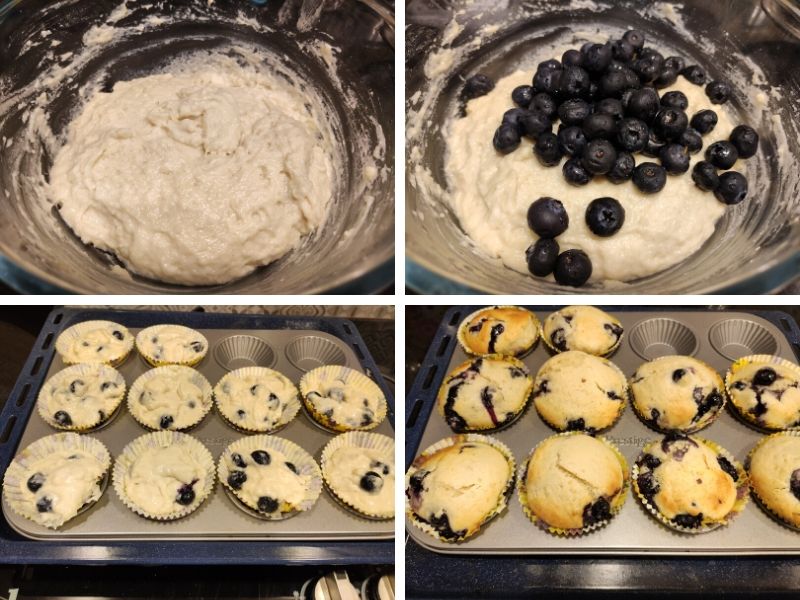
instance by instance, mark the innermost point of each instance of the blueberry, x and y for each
(596, 513)
(241, 413)
(535, 123)
(704, 121)
(675, 99)
(513, 116)
(732, 188)
(765, 377)
(477, 85)
(650, 461)
(643, 104)
(573, 82)
(35, 482)
(694, 74)
(108, 385)
(166, 422)
(654, 145)
(254, 390)
(623, 168)
(675, 62)
(647, 484)
(44, 504)
(547, 149)
(571, 140)
(549, 65)
(632, 134)
(261, 457)
(678, 374)
(572, 58)
(692, 140)
(542, 256)
(506, 138)
(728, 467)
(605, 216)
(704, 175)
(599, 125)
(649, 177)
(267, 504)
(794, 483)
(613, 84)
(689, 521)
(415, 483)
(197, 346)
(573, 267)
(745, 139)
(547, 217)
(118, 334)
(648, 66)
(522, 95)
(599, 156)
(292, 468)
(610, 106)
(185, 496)
(575, 173)
(62, 418)
(634, 38)
(544, 103)
(371, 482)
(237, 459)
(670, 123)
(576, 425)
(675, 158)
(722, 154)
(75, 386)
(666, 78)
(597, 57)
(236, 479)
(718, 92)
(622, 50)
(573, 111)
(547, 81)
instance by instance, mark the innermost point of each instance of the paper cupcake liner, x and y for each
(77, 371)
(42, 448)
(555, 350)
(355, 439)
(452, 440)
(295, 454)
(155, 329)
(289, 413)
(616, 504)
(687, 430)
(762, 503)
(351, 377)
(506, 424)
(197, 379)
(742, 489)
(766, 360)
(163, 439)
(460, 336)
(76, 331)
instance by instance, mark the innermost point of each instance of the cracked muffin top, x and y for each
(576, 391)
(584, 328)
(766, 393)
(484, 393)
(677, 393)
(775, 475)
(573, 481)
(506, 330)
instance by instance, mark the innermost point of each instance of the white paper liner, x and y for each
(163, 439)
(76, 331)
(289, 413)
(17, 473)
(196, 377)
(460, 334)
(763, 504)
(356, 439)
(351, 377)
(766, 360)
(552, 348)
(155, 330)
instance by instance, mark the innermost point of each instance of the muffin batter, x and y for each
(172, 397)
(82, 396)
(364, 478)
(256, 399)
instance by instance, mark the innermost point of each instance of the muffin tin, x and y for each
(714, 337)
(218, 518)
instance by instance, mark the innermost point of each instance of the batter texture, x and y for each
(197, 175)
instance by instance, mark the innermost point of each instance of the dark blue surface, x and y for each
(15, 549)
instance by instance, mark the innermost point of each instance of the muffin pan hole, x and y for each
(661, 336)
(239, 351)
(311, 351)
(735, 338)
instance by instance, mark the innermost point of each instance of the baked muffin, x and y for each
(171, 345)
(172, 397)
(576, 391)
(81, 397)
(765, 391)
(257, 399)
(506, 330)
(458, 484)
(484, 393)
(689, 484)
(342, 399)
(94, 341)
(56, 477)
(573, 483)
(583, 328)
(358, 469)
(677, 393)
(774, 469)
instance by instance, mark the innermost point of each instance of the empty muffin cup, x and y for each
(659, 337)
(311, 351)
(238, 351)
(735, 338)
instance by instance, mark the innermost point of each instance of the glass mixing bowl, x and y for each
(352, 252)
(756, 245)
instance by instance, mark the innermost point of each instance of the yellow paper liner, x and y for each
(742, 488)
(197, 378)
(766, 360)
(356, 439)
(763, 504)
(154, 329)
(616, 503)
(76, 371)
(75, 331)
(502, 501)
(460, 336)
(555, 350)
(290, 412)
(302, 460)
(351, 377)
(17, 471)
(496, 357)
(697, 427)
(163, 439)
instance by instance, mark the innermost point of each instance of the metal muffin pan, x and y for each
(218, 517)
(633, 531)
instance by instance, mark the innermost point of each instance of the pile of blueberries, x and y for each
(607, 101)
